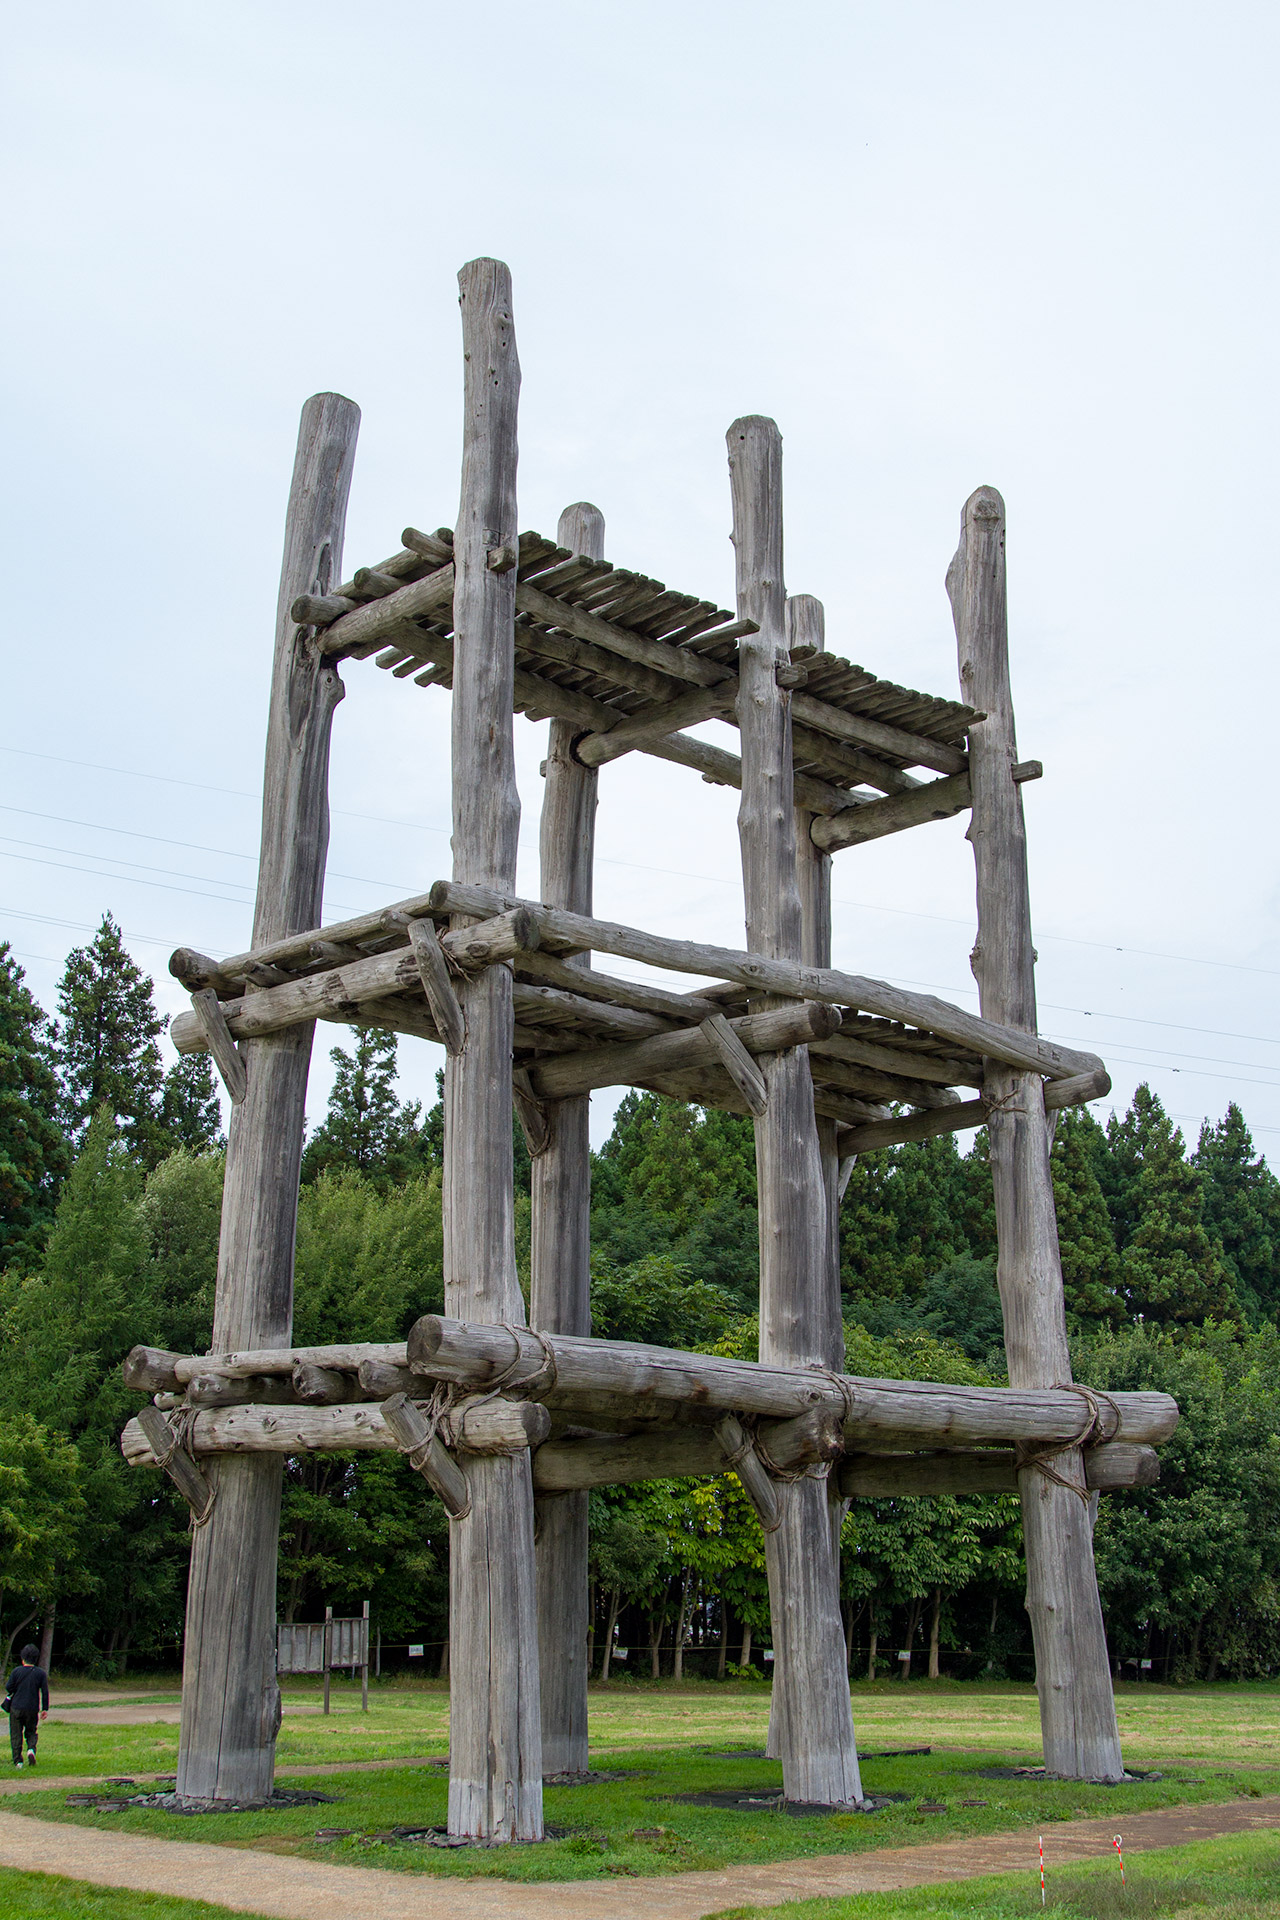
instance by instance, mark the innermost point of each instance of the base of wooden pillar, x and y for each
(1073, 1674)
(563, 1603)
(495, 1731)
(812, 1724)
(230, 1697)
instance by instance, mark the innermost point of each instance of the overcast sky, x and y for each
(1027, 246)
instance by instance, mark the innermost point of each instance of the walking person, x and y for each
(28, 1704)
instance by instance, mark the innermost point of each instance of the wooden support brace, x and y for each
(427, 1455)
(226, 1054)
(935, 800)
(737, 1062)
(446, 1008)
(535, 1121)
(741, 1457)
(180, 1467)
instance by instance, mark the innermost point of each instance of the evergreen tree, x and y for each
(902, 1221)
(190, 1113)
(33, 1149)
(1171, 1270)
(106, 1043)
(1242, 1211)
(1086, 1237)
(366, 1130)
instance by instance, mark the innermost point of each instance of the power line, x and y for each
(866, 906)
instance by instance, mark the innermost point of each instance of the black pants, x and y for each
(20, 1723)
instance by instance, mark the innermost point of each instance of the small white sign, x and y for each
(620, 1653)
(904, 1653)
(417, 1652)
(768, 1654)
(1144, 1664)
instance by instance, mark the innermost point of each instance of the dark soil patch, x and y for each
(1040, 1773)
(760, 1800)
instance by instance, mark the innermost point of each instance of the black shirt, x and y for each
(28, 1690)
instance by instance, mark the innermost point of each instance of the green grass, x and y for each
(601, 1825)
(45, 1896)
(1159, 1725)
(1231, 1879)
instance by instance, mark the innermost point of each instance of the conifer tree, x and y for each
(33, 1149)
(1171, 1270)
(1086, 1238)
(190, 1114)
(1242, 1211)
(366, 1130)
(106, 1043)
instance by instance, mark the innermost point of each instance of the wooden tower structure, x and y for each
(502, 1418)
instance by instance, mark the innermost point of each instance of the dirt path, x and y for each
(295, 1889)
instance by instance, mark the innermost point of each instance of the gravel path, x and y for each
(288, 1888)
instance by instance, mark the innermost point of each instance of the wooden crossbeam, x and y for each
(567, 932)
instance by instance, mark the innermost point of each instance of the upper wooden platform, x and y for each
(633, 663)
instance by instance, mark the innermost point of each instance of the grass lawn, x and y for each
(1232, 1879)
(1160, 1726)
(44, 1896)
(634, 1826)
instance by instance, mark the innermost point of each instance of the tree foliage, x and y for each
(33, 1149)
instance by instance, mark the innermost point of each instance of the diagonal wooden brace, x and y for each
(741, 1457)
(226, 1054)
(428, 1455)
(737, 1062)
(177, 1463)
(446, 1008)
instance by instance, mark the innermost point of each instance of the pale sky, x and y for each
(1031, 247)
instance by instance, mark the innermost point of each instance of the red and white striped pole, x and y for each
(1120, 1857)
(1041, 1869)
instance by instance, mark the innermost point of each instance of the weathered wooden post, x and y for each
(495, 1743)
(230, 1699)
(561, 1247)
(799, 1321)
(1077, 1708)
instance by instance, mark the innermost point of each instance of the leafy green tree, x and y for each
(1242, 1211)
(33, 1149)
(366, 1130)
(106, 1044)
(1171, 1270)
(190, 1113)
(42, 1510)
(658, 1302)
(1196, 1558)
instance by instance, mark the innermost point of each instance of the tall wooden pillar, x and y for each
(815, 1725)
(1077, 1708)
(561, 1260)
(230, 1700)
(495, 1742)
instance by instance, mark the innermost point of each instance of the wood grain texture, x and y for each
(1077, 1710)
(765, 974)
(230, 1699)
(935, 800)
(635, 1061)
(799, 1310)
(911, 1475)
(495, 1769)
(560, 1297)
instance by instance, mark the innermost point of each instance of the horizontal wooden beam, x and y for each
(344, 989)
(573, 1073)
(482, 1426)
(474, 1355)
(928, 1475)
(935, 800)
(570, 932)
(902, 1128)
